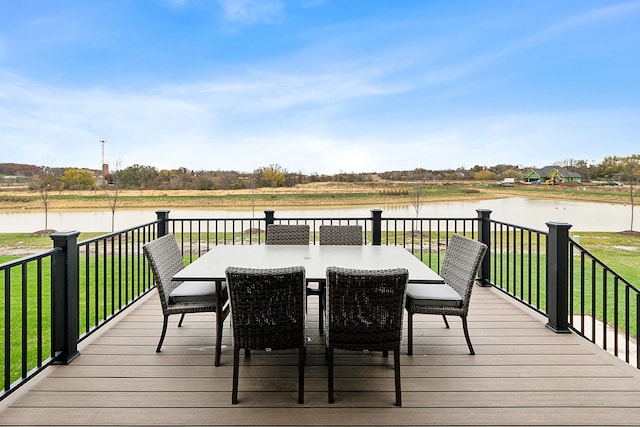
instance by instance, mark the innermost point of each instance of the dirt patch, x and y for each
(20, 251)
(630, 233)
(627, 248)
(43, 232)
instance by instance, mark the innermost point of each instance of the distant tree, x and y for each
(111, 187)
(578, 166)
(78, 179)
(485, 175)
(511, 173)
(181, 178)
(416, 196)
(271, 176)
(631, 170)
(293, 179)
(138, 176)
(204, 183)
(227, 179)
(44, 183)
(609, 167)
(502, 168)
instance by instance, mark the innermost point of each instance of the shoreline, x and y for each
(316, 195)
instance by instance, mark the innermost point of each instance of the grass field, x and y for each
(312, 195)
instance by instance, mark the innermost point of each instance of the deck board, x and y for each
(523, 374)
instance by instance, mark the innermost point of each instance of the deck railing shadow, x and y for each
(54, 300)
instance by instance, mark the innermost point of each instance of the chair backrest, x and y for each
(461, 264)
(340, 234)
(267, 307)
(165, 259)
(364, 308)
(287, 234)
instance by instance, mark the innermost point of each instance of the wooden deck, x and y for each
(523, 374)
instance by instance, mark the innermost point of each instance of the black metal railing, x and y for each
(518, 262)
(26, 330)
(425, 237)
(603, 306)
(112, 274)
(557, 277)
(81, 286)
(53, 300)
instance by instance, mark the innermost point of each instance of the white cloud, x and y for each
(573, 23)
(251, 11)
(304, 128)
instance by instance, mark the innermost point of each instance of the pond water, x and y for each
(583, 216)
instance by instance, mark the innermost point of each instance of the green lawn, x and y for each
(100, 296)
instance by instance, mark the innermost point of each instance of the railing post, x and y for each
(163, 222)
(376, 227)
(484, 236)
(65, 297)
(269, 217)
(557, 277)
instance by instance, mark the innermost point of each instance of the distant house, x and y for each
(551, 174)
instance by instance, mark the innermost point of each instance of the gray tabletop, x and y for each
(314, 258)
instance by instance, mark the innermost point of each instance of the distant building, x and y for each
(551, 175)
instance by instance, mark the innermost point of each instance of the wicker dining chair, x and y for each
(268, 313)
(348, 235)
(294, 234)
(340, 234)
(287, 234)
(459, 269)
(364, 312)
(165, 259)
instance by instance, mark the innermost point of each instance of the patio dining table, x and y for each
(314, 258)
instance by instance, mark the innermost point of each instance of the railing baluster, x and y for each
(39, 311)
(594, 297)
(24, 308)
(616, 302)
(604, 309)
(7, 329)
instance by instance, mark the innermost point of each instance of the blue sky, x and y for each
(318, 86)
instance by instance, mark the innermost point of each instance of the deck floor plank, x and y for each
(523, 374)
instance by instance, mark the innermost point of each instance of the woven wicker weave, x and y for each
(165, 259)
(459, 269)
(340, 234)
(268, 313)
(287, 234)
(294, 234)
(364, 312)
(350, 235)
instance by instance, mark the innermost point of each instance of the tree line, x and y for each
(149, 177)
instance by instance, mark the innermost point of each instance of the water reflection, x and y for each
(584, 216)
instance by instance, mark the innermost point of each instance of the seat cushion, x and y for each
(433, 295)
(195, 292)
